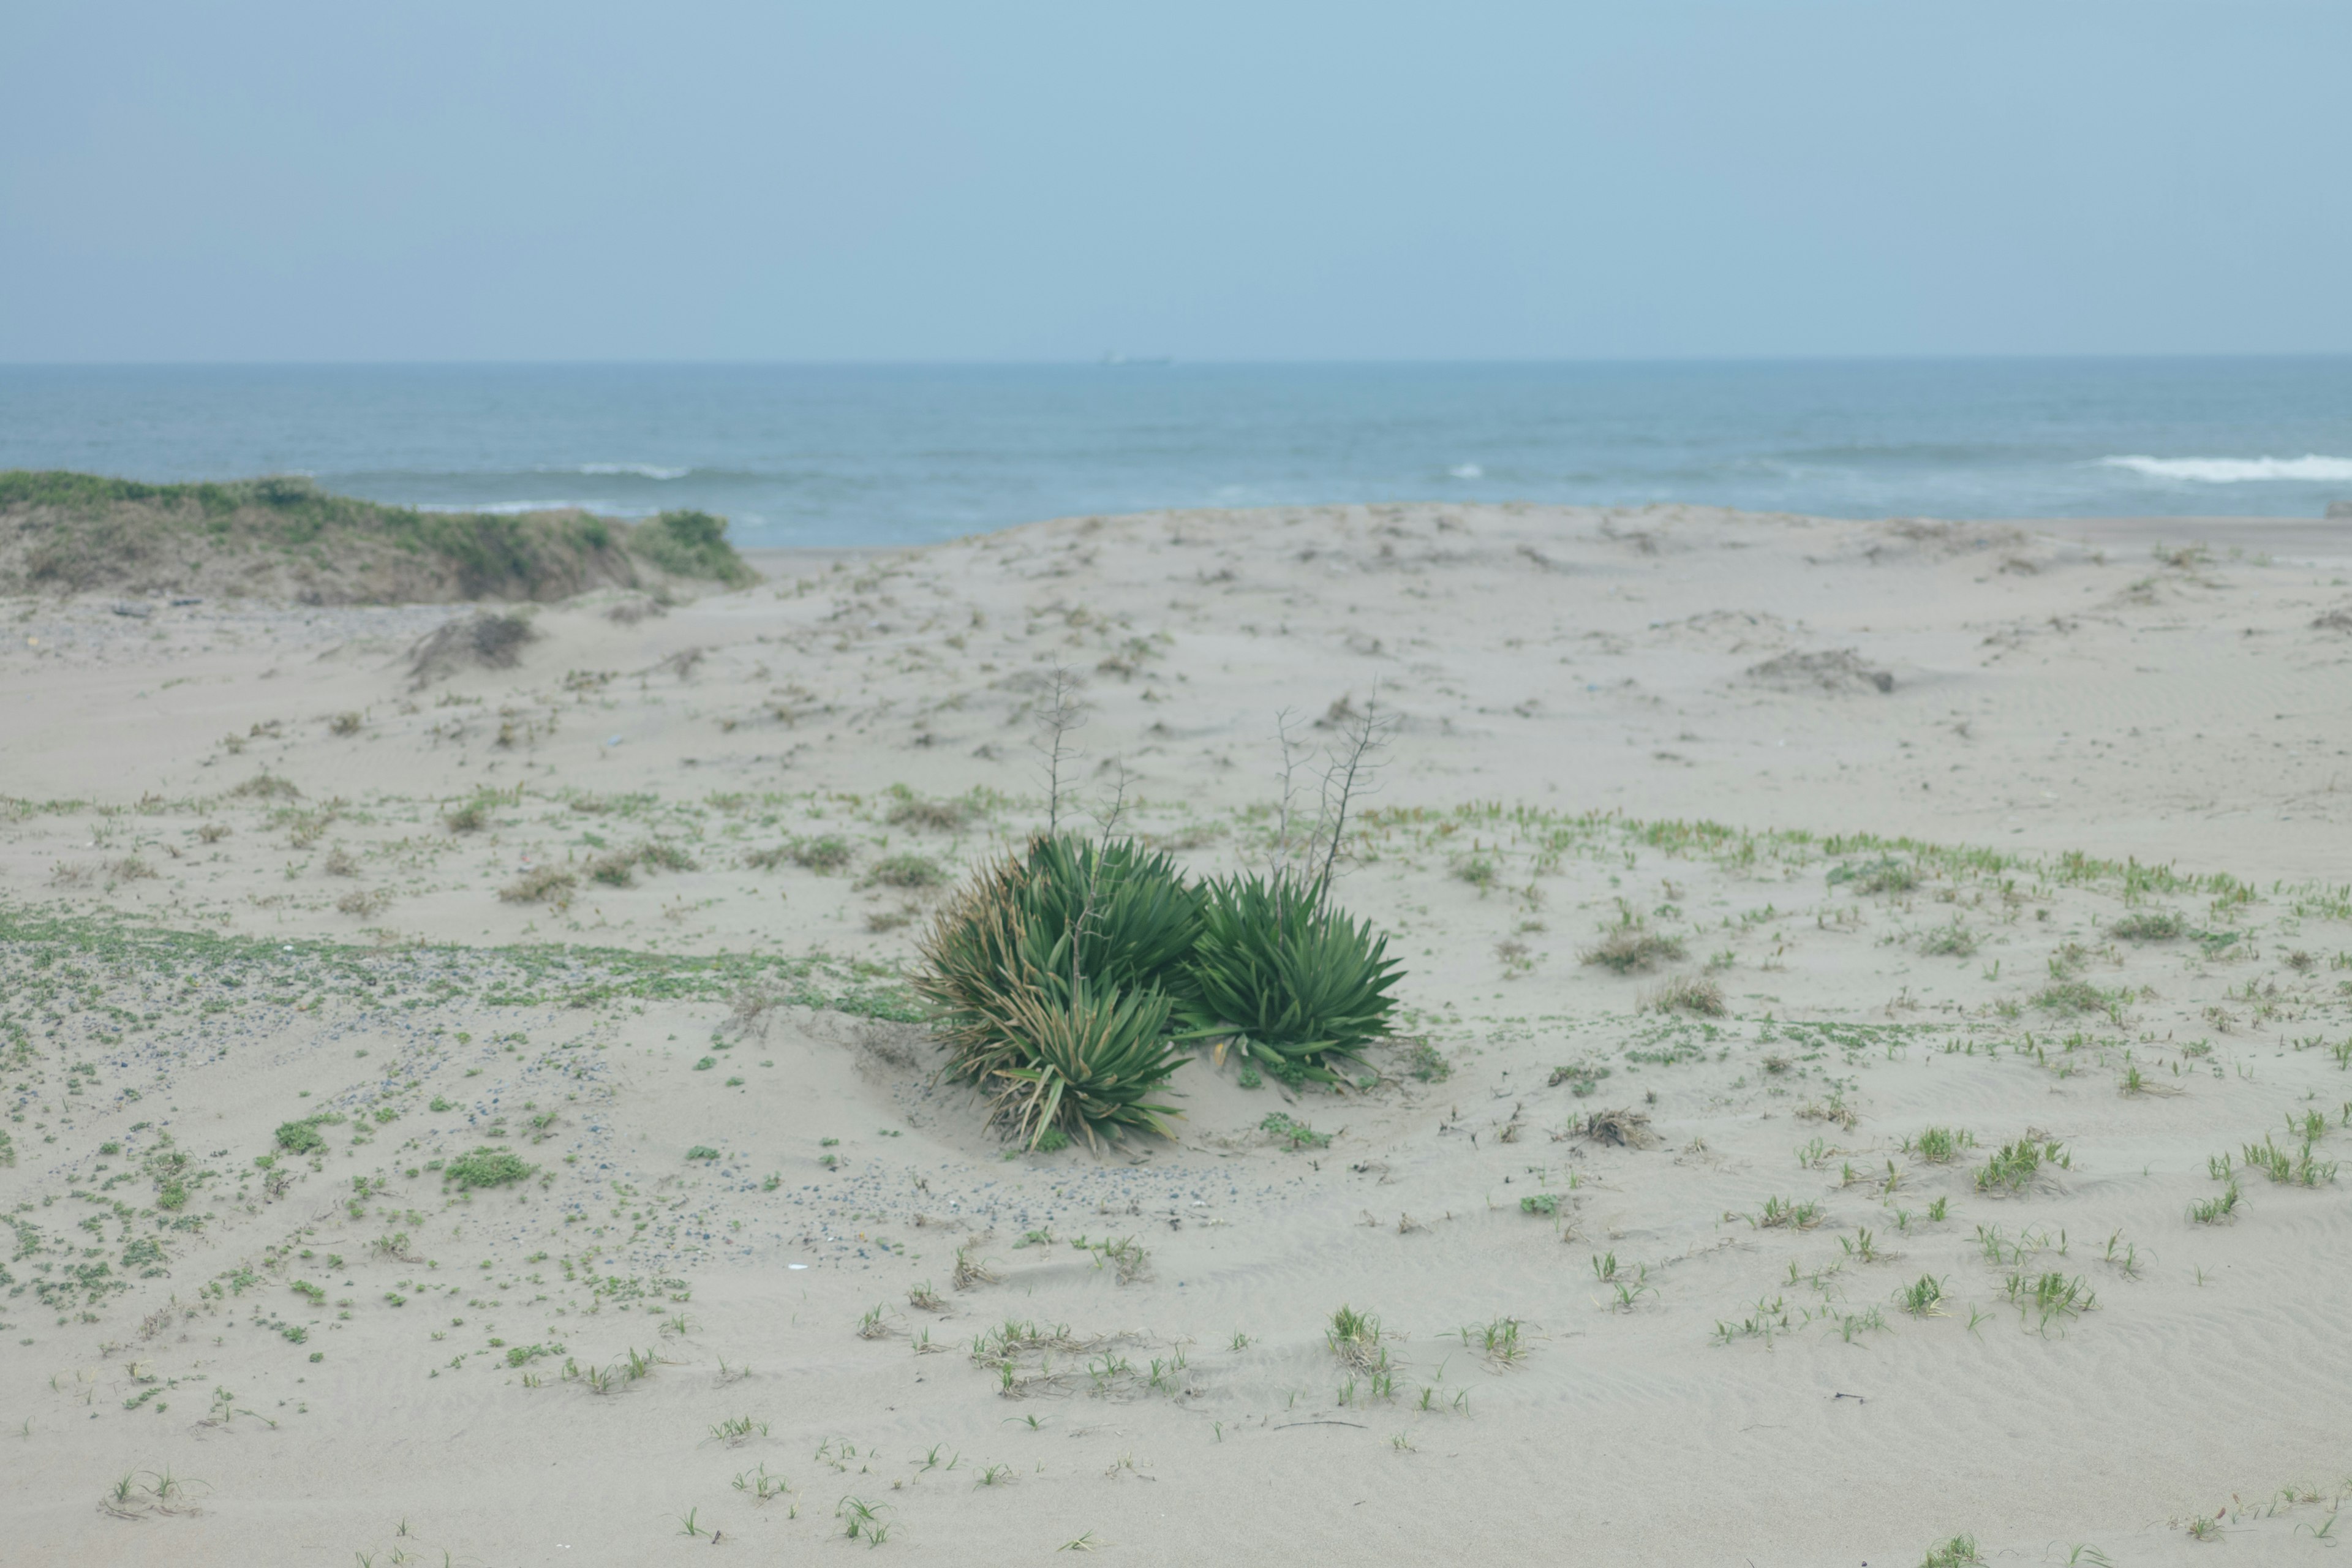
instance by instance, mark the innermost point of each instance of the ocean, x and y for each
(829, 454)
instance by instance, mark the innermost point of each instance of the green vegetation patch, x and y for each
(487, 1167)
(72, 532)
(2149, 925)
(300, 1137)
(231, 974)
(1293, 1134)
(692, 544)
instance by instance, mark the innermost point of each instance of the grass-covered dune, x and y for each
(284, 537)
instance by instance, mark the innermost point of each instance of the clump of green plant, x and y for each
(1960, 1551)
(1429, 1063)
(472, 813)
(2149, 925)
(1629, 946)
(1059, 973)
(911, 871)
(1953, 941)
(2304, 1169)
(1296, 1135)
(691, 544)
(1686, 994)
(825, 854)
(1884, 875)
(2050, 1296)
(486, 1167)
(912, 811)
(859, 1517)
(1354, 1338)
(2214, 1210)
(1126, 1255)
(1920, 1297)
(300, 1137)
(2070, 997)
(1780, 1213)
(1048, 973)
(1582, 1078)
(1283, 977)
(1939, 1145)
(618, 868)
(1497, 1340)
(2014, 1167)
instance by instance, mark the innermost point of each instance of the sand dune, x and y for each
(2006, 868)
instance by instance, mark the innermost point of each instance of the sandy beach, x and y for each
(1961, 1158)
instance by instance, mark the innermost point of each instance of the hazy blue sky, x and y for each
(508, 179)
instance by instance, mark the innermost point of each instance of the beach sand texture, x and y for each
(1855, 1212)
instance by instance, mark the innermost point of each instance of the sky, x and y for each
(513, 180)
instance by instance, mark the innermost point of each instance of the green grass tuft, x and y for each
(1960, 1551)
(1686, 994)
(2070, 997)
(486, 1167)
(1884, 875)
(2014, 1167)
(907, 871)
(2149, 925)
(1295, 1134)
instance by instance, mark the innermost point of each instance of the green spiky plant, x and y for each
(1283, 977)
(1049, 976)
(1095, 1059)
(1131, 920)
(1055, 973)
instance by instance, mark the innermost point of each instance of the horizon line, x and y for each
(1121, 360)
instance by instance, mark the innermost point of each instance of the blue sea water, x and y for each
(844, 455)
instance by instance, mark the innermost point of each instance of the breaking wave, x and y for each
(642, 470)
(2237, 471)
(515, 508)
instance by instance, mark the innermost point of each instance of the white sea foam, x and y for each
(642, 470)
(2237, 471)
(514, 507)
(1467, 471)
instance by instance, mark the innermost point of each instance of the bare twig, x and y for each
(1109, 819)
(1290, 750)
(1065, 714)
(1350, 769)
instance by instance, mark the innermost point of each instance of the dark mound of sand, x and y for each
(1842, 670)
(483, 640)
